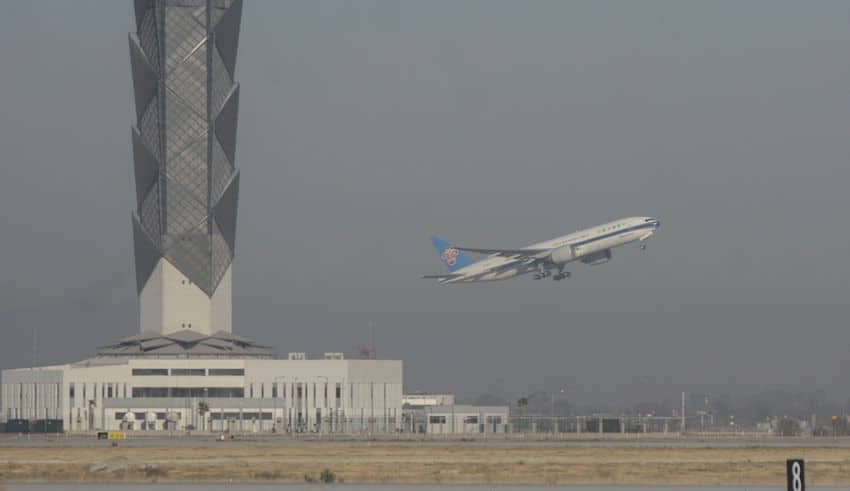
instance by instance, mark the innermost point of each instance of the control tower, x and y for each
(183, 59)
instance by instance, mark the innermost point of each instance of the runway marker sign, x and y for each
(795, 471)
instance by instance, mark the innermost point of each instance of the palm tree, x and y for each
(203, 408)
(521, 403)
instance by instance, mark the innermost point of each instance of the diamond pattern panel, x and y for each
(188, 80)
(182, 125)
(149, 213)
(182, 34)
(183, 211)
(148, 38)
(140, 7)
(219, 9)
(144, 78)
(146, 167)
(189, 168)
(225, 124)
(190, 253)
(217, 14)
(227, 35)
(222, 171)
(221, 256)
(222, 84)
(146, 254)
(149, 126)
(225, 211)
(198, 245)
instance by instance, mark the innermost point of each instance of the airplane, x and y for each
(591, 246)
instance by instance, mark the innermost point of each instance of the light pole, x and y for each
(555, 423)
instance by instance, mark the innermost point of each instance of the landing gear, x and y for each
(561, 275)
(643, 246)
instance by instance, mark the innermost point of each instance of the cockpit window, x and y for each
(649, 220)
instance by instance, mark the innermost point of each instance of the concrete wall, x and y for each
(461, 419)
(170, 302)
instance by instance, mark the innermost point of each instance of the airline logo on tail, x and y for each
(450, 256)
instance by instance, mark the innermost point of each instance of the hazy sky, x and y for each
(365, 126)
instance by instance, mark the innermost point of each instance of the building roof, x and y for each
(186, 343)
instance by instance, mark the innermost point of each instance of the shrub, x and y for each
(327, 476)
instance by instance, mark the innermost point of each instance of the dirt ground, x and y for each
(456, 463)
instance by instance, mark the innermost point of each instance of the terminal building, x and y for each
(186, 369)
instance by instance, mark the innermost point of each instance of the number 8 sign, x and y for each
(796, 473)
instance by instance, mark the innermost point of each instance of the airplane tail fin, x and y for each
(452, 258)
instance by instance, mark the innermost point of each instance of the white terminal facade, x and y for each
(236, 395)
(186, 369)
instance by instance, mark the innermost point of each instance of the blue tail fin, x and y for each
(452, 258)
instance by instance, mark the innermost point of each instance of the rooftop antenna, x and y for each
(34, 344)
(372, 340)
(368, 352)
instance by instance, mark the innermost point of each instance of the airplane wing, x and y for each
(441, 276)
(514, 253)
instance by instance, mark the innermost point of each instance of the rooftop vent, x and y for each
(334, 356)
(297, 356)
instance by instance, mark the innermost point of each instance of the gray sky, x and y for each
(365, 126)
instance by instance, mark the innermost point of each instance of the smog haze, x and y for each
(366, 126)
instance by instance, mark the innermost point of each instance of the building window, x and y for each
(158, 392)
(218, 372)
(71, 391)
(144, 372)
(471, 420)
(188, 372)
(109, 391)
(150, 391)
(226, 392)
(244, 416)
(437, 420)
(187, 392)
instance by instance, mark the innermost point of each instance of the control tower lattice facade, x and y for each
(183, 59)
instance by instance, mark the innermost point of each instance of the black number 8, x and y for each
(796, 483)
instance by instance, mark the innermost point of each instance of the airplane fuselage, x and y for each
(591, 246)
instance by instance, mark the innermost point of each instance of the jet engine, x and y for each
(597, 257)
(563, 254)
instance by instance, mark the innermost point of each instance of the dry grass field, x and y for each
(456, 463)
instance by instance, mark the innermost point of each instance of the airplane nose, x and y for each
(657, 224)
